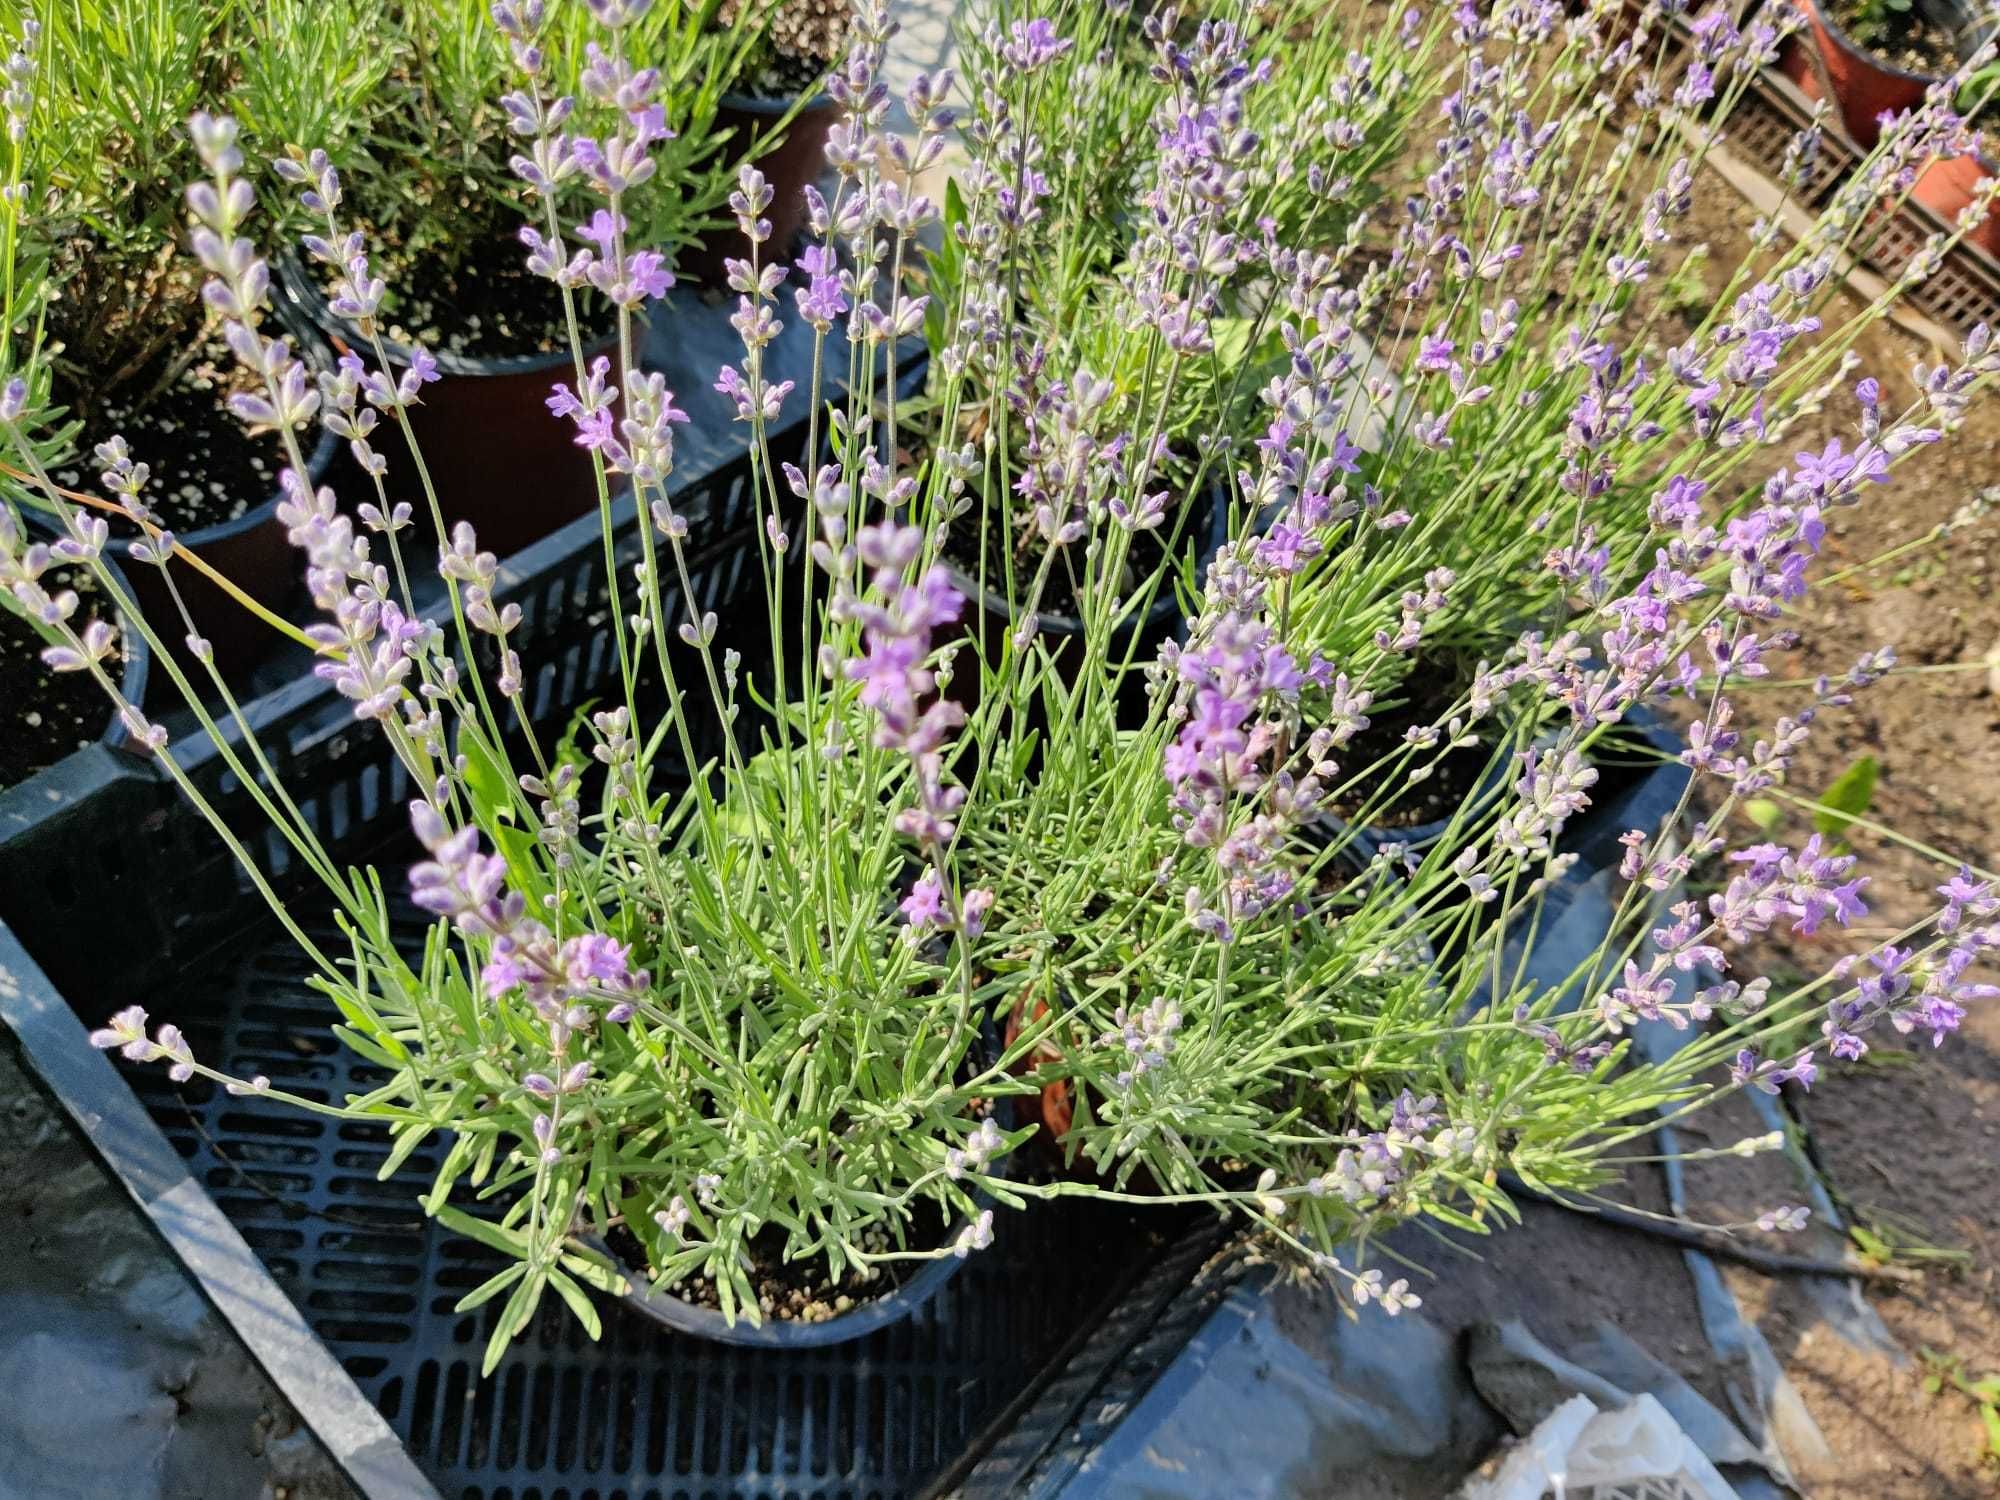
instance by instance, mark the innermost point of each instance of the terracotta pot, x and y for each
(1945, 187)
(790, 167)
(1863, 86)
(496, 455)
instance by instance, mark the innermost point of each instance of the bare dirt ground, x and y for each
(1910, 1144)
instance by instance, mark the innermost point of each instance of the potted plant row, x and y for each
(705, 1012)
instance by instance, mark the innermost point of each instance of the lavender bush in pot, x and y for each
(98, 97)
(438, 197)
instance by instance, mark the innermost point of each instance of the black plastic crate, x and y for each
(107, 832)
(642, 1412)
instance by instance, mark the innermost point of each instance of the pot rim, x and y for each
(864, 1318)
(758, 104)
(1972, 23)
(304, 292)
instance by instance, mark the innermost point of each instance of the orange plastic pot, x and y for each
(1946, 186)
(1055, 1108)
(1863, 86)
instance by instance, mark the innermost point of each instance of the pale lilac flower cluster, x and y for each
(1147, 1038)
(756, 285)
(355, 397)
(126, 1031)
(22, 569)
(898, 619)
(609, 165)
(1394, 1298)
(1070, 470)
(17, 99)
(1239, 749)
(573, 983)
(1673, 631)
(980, 1149)
(875, 213)
(978, 1235)
(390, 664)
(1367, 1176)
(1186, 248)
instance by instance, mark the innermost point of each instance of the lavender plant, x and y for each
(708, 1037)
(100, 135)
(434, 183)
(103, 316)
(1379, 1008)
(1201, 129)
(1608, 414)
(757, 981)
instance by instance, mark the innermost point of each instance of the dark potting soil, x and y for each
(784, 76)
(206, 468)
(47, 714)
(1908, 42)
(1142, 560)
(490, 306)
(1455, 777)
(803, 1291)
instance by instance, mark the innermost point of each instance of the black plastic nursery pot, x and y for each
(250, 551)
(496, 455)
(1638, 788)
(709, 1325)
